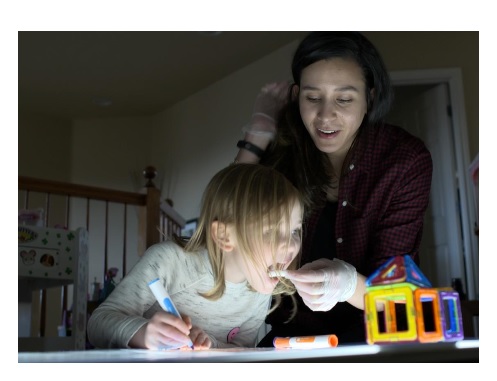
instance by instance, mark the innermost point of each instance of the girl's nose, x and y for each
(290, 250)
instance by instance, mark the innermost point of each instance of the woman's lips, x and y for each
(327, 134)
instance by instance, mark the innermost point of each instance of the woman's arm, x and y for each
(261, 129)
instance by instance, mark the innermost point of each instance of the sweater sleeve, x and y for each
(122, 314)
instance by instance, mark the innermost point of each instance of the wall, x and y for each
(112, 152)
(436, 50)
(44, 147)
(187, 143)
(201, 133)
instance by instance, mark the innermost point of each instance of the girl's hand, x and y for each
(165, 331)
(200, 339)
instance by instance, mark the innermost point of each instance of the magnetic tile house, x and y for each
(402, 306)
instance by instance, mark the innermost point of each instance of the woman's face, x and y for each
(332, 101)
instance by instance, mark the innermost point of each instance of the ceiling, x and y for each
(124, 74)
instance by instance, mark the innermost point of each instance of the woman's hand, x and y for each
(324, 283)
(261, 129)
(269, 102)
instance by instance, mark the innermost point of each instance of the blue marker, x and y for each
(164, 299)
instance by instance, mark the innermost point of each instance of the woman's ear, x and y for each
(221, 236)
(295, 92)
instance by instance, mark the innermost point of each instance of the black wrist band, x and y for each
(250, 147)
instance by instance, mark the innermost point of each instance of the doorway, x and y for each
(430, 105)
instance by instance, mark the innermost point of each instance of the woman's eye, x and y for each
(344, 100)
(312, 99)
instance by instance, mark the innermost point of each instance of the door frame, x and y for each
(453, 78)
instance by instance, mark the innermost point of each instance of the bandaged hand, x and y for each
(324, 283)
(268, 104)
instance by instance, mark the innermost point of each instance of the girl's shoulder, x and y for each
(173, 262)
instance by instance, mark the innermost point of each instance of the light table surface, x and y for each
(460, 351)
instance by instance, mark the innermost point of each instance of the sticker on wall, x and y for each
(26, 235)
(28, 257)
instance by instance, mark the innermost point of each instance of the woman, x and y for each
(366, 184)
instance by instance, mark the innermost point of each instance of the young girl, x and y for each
(250, 223)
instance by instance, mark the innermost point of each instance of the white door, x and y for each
(424, 112)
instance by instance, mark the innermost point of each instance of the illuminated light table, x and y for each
(459, 351)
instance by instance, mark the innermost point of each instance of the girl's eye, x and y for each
(344, 100)
(297, 232)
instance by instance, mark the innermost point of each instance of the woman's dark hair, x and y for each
(293, 152)
(319, 46)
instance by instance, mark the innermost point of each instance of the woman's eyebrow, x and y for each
(343, 88)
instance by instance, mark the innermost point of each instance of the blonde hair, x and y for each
(257, 201)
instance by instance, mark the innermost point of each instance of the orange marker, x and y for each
(306, 342)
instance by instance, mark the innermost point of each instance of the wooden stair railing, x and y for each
(157, 212)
